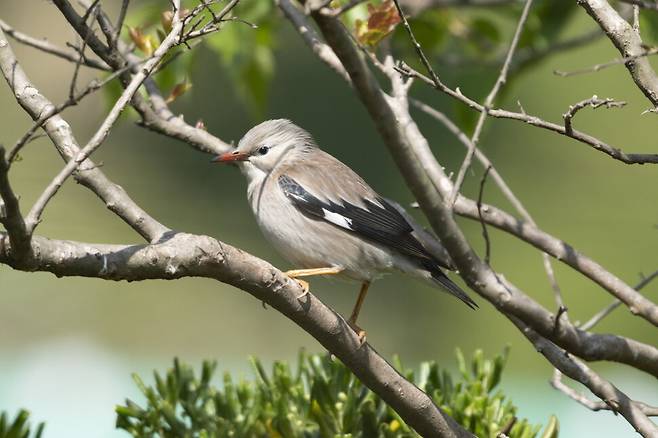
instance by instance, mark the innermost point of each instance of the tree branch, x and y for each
(10, 213)
(184, 255)
(47, 47)
(102, 132)
(488, 102)
(628, 42)
(577, 370)
(502, 185)
(614, 152)
(60, 133)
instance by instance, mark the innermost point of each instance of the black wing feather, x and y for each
(379, 221)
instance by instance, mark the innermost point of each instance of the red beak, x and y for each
(230, 157)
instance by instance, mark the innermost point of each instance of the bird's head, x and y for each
(268, 144)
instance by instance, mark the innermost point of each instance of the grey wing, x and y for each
(375, 220)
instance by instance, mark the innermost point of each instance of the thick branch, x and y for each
(562, 251)
(577, 370)
(628, 42)
(185, 255)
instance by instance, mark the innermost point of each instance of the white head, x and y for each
(267, 145)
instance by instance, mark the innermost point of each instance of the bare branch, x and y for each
(599, 67)
(563, 252)
(157, 118)
(502, 185)
(59, 131)
(614, 152)
(311, 38)
(488, 102)
(628, 42)
(10, 214)
(102, 132)
(94, 85)
(412, 154)
(557, 383)
(92, 11)
(593, 102)
(616, 303)
(578, 371)
(120, 21)
(47, 47)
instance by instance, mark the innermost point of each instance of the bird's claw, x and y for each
(360, 333)
(305, 288)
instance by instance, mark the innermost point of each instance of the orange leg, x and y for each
(357, 309)
(295, 273)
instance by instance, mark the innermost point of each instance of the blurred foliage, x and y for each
(321, 398)
(461, 37)
(19, 427)
(244, 47)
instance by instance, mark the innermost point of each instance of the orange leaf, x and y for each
(143, 42)
(178, 91)
(382, 20)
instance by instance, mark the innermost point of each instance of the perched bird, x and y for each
(324, 218)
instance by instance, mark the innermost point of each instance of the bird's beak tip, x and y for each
(230, 157)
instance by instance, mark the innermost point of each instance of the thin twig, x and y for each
(50, 48)
(598, 317)
(502, 78)
(574, 368)
(599, 67)
(595, 405)
(613, 152)
(485, 233)
(426, 63)
(120, 20)
(92, 11)
(593, 102)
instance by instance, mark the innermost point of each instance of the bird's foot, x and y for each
(360, 333)
(306, 287)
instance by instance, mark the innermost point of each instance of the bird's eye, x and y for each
(263, 150)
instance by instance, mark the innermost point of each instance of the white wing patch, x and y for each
(337, 219)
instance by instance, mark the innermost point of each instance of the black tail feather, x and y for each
(450, 286)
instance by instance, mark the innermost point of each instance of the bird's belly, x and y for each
(309, 243)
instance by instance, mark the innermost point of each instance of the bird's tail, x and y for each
(439, 277)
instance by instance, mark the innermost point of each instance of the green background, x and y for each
(67, 346)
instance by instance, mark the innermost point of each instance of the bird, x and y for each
(326, 220)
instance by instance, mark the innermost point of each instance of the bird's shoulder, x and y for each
(326, 178)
